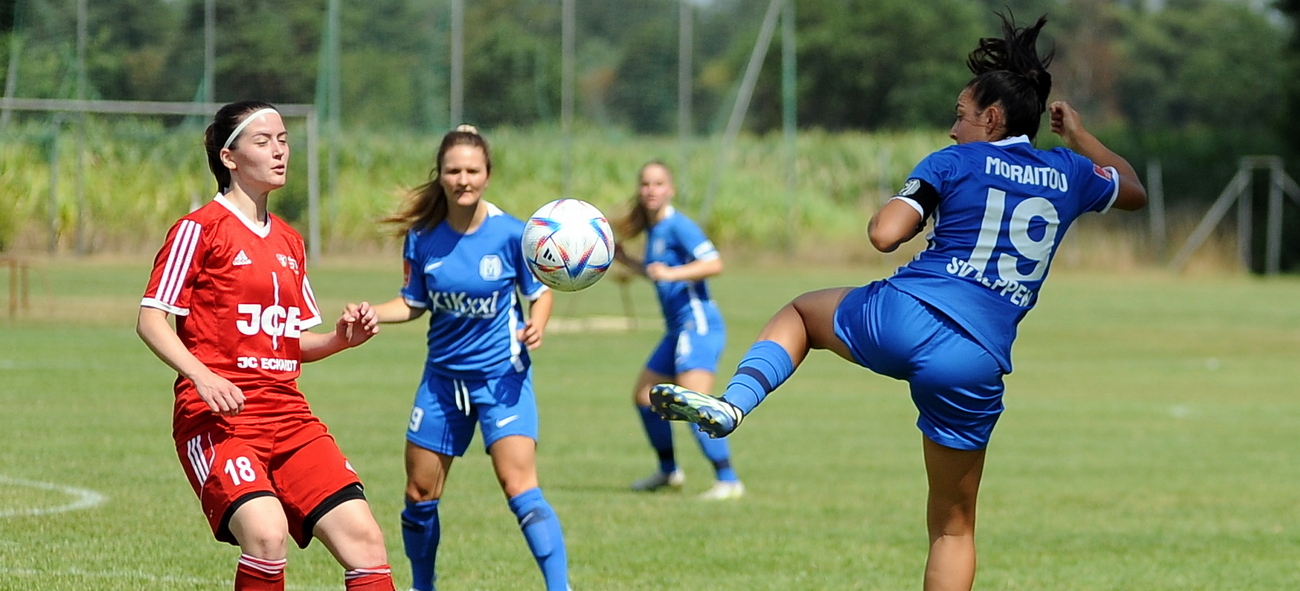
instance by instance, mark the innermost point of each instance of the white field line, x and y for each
(82, 498)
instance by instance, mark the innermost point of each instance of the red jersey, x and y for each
(241, 299)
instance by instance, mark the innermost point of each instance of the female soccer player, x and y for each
(465, 266)
(945, 321)
(678, 259)
(264, 467)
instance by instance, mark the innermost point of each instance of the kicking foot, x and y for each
(715, 416)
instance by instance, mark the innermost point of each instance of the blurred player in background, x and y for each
(945, 321)
(264, 467)
(464, 265)
(678, 259)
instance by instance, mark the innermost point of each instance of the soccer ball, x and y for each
(568, 244)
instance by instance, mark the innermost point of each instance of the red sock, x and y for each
(379, 578)
(259, 574)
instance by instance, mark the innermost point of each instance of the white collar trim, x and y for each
(1012, 140)
(262, 231)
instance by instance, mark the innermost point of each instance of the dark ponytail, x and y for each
(1008, 70)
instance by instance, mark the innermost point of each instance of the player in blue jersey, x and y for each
(946, 320)
(678, 259)
(465, 267)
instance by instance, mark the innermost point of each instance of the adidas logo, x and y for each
(241, 259)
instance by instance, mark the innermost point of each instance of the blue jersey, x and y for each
(468, 283)
(1003, 209)
(675, 241)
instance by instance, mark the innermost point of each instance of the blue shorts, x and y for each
(445, 410)
(683, 350)
(956, 384)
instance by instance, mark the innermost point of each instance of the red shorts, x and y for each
(294, 460)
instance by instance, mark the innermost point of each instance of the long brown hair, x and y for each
(426, 205)
(637, 218)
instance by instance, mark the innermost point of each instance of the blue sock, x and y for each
(542, 531)
(718, 452)
(763, 368)
(660, 433)
(420, 534)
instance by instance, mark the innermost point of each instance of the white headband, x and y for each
(242, 124)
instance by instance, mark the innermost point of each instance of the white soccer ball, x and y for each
(568, 244)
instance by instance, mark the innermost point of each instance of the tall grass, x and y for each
(139, 176)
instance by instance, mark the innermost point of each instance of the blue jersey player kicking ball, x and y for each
(945, 321)
(465, 267)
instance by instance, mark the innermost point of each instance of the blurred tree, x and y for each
(8, 8)
(1289, 118)
(1200, 62)
(646, 93)
(871, 64)
(129, 48)
(512, 61)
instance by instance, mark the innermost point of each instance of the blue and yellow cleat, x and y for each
(715, 416)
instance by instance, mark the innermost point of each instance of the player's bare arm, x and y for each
(223, 397)
(354, 326)
(621, 255)
(1067, 124)
(696, 270)
(539, 313)
(396, 310)
(895, 223)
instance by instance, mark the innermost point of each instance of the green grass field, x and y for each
(1150, 442)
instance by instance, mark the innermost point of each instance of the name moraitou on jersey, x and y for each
(1003, 210)
(241, 298)
(468, 284)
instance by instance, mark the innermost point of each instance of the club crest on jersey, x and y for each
(1102, 172)
(489, 267)
(287, 261)
(241, 259)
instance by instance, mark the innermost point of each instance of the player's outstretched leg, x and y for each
(715, 416)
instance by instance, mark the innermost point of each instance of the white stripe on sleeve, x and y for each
(177, 267)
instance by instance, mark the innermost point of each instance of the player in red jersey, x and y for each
(234, 276)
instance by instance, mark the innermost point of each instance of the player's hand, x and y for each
(223, 397)
(658, 272)
(1066, 122)
(357, 324)
(530, 335)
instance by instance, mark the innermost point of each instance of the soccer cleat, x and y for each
(715, 416)
(724, 491)
(658, 480)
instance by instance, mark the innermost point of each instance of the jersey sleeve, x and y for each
(937, 169)
(308, 296)
(1100, 186)
(175, 268)
(413, 289)
(693, 240)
